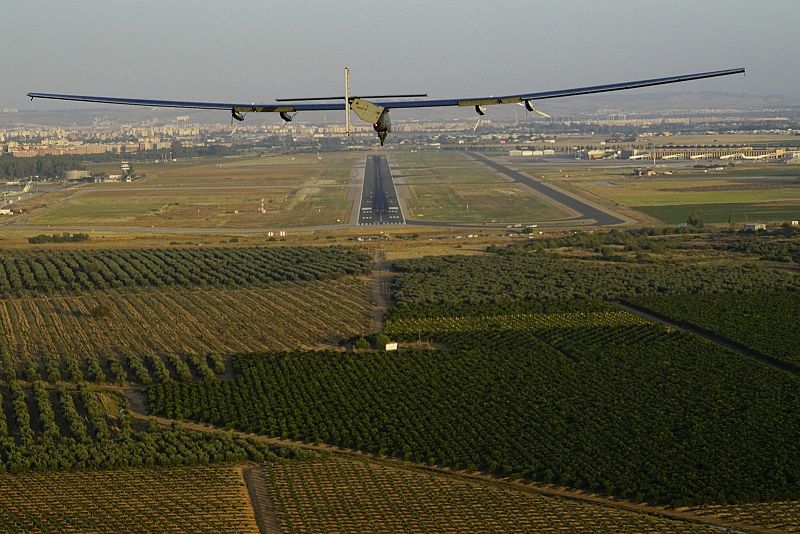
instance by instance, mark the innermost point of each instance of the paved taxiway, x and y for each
(586, 211)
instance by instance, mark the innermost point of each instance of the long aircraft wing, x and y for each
(290, 107)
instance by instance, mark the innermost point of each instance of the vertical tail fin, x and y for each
(347, 100)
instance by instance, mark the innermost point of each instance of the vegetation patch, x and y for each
(115, 327)
(326, 495)
(43, 428)
(50, 271)
(761, 321)
(642, 412)
(522, 280)
(197, 499)
(58, 238)
(731, 213)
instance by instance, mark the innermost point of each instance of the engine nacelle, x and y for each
(383, 125)
(286, 117)
(236, 115)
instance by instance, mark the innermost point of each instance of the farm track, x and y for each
(708, 335)
(382, 277)
(261, 501)
(134, 398)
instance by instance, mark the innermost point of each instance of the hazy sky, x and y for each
(246, 50)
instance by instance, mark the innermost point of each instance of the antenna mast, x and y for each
(347, 100)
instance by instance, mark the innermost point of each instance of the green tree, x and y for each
(694, 221)
(381, 340)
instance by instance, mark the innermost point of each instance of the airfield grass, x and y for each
(449, 187)
(238, 208)
(422, 168)
(297, 190)
(285, 170)
(480, 203)
(789, 171)
(662, 192)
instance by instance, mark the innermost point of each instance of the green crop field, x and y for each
(525, 280)
(65, 428)
(46, 272)
(719, 213)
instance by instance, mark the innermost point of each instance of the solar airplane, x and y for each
(375, 109)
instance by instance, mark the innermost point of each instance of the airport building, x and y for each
(704, 153)
(77, 175)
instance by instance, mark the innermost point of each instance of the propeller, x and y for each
(528, 105)
(239, 116)
(481, 111)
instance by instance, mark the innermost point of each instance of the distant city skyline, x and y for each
(255, 51)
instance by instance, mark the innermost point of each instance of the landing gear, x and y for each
(382, 135)
(383, 126)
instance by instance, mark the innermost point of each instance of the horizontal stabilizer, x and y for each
(309, 98)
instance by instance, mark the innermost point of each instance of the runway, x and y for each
(379, 204)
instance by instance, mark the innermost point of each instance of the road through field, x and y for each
(261, 501)
(382, 277)
(729, 344)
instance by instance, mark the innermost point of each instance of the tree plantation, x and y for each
(196, 499)
(635, 411)
(46, 428)
(105, 269)
(530, 281)
(568, 367)
(335, 494)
